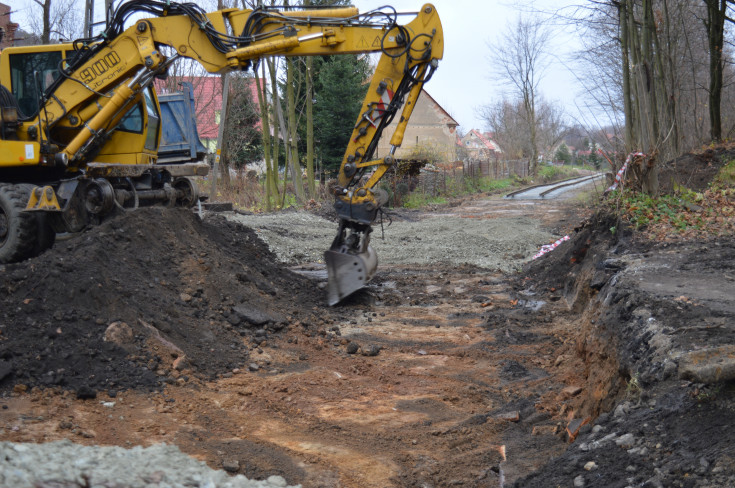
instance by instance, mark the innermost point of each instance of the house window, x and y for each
(217, 116)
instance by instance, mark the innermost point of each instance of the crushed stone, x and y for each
(64, 464)
(503, 244)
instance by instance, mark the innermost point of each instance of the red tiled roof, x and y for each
(485, 140)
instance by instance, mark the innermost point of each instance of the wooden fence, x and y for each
(445, 181)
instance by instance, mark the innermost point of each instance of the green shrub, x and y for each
(421, 199)
(726, 176)
(553, 173)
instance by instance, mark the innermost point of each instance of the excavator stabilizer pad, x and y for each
(43, 198)
(348, 272)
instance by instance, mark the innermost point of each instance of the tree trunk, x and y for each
(673, 83)
(640, 98)
(46, 20)
(534, 142)
(274, 122)
(649, 33)
(627, 95)
(298, 181)
(715, 24)
(644, 96)
(225, 157)
(650, 183)
(310, 127)
(265, 129)
(281, 121)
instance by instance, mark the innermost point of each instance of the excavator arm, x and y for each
(108, 75)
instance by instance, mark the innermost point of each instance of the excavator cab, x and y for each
(28, 71)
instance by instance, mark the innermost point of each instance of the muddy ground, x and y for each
(607, 362)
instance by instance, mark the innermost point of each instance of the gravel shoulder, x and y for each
(63, 464)
(479, 238)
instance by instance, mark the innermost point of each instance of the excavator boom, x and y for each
(80, 139)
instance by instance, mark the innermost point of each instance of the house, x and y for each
(7, 28)
(430, 127)
(480, 146)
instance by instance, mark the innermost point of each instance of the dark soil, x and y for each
(162, 284)
(693, 170)
(656, 331)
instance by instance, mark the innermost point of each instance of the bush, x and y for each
(553, 173)
(421, 199)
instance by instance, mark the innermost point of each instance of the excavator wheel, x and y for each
(188, 192)
(19, 236)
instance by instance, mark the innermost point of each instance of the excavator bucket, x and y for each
(348, 271)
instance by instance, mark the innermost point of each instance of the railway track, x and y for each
(556, 189)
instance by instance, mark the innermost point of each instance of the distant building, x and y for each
(430, 125)
(7, 28)
(480, 146)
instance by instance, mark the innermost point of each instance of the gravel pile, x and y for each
(504, 243)
(66, 465)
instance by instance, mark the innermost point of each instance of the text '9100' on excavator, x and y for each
(80, 126)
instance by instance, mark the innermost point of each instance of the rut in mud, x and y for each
(435, 375)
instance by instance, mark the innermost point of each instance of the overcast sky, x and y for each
(463, 81)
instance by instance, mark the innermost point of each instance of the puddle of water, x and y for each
(534, 305)
(314, 271)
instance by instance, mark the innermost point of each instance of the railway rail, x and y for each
(555, 189)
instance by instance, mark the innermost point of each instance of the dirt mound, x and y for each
(578, 265)
(694, 170)
(144, 299)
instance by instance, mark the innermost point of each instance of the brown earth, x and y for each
(432, 376)
(696, 170)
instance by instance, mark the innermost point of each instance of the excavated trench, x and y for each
(462, 364)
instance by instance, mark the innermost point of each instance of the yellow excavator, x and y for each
(80, 122)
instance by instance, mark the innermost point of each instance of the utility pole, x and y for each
(88, 17)
(89, 23)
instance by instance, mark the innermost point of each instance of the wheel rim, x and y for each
(189, 192)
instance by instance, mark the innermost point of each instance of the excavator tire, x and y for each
(18, 229)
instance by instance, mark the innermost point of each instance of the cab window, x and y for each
(133, 120)
(154, 120)
(27, 72)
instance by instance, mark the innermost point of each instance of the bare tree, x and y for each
(506, 121)
(552, 126)
(59, 19)
(717, 11)
(520, 60)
